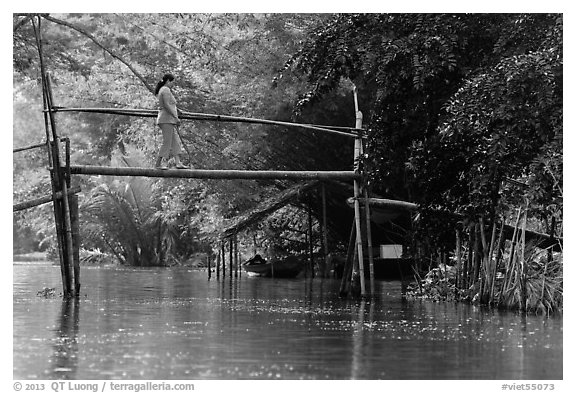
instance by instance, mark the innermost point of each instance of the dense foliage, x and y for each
(463, 112)
(456, 106)
(464, 117)
(224, 64)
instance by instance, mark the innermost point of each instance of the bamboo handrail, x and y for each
(184, 115)
(211, 173)
(385, 203)
(18, 149)
(42, 200)
(543, 240)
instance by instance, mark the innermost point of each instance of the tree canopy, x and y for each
(224, 64)
(460, 108)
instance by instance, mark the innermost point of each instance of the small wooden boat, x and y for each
(288, 267)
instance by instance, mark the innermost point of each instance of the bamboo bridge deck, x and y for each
(213, 173)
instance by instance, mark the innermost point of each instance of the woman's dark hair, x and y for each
(165, 78)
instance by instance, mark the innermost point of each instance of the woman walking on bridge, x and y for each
(168, 122)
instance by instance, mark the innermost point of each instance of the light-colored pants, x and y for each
(171, 142)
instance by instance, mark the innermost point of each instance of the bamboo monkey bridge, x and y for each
(65, 202)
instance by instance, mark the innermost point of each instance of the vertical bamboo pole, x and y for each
(357, 152)
(477, 251)
(231, 256)
(345, 282)
(523, 268)
(353, 278)
(310, 240)
(209, 267)
(324, 231)
(239, 259)
(491, 264)
(223, 250)
(368, 225)
(369, 239)
(73, 214)
(57, 207)
(218, 264)
(236, 256)
(458, 260)
(552, 234)
(64, 190)
(75, 224)
(497, 262)
(54, 160)
(509, 269)
(469, 257)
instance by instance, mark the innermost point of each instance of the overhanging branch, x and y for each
(109, 51)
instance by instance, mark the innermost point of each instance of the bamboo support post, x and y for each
(523, 268)
(324, 230)
(231, 255)
(510, 265)
(497, 261)
(551, 233)
(61, 207)
(310, 242)
(354, 277)
(209, 267)
(57, 208)
(64, 189)
(347, 272)
(369, 240)
(218, 264)
(223, 251)
(357, 153)
(53, 159)
(236, 256)
(491, 263)
(458, 260)
(75, 224)
(68, 234)
(67, 175)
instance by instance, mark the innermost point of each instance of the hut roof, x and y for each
(267, 207)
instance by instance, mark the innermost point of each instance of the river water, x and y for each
(176, 324)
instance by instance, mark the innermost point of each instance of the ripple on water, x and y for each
(175, 324)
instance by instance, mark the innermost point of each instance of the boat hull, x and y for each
(287, 268)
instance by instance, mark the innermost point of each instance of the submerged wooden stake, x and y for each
(347, 272)
(369, 240)
(75, 226)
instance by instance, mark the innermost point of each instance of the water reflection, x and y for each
(176, 324)
(358, 342)
(65, 357)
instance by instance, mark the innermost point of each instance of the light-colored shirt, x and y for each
(167, 112)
